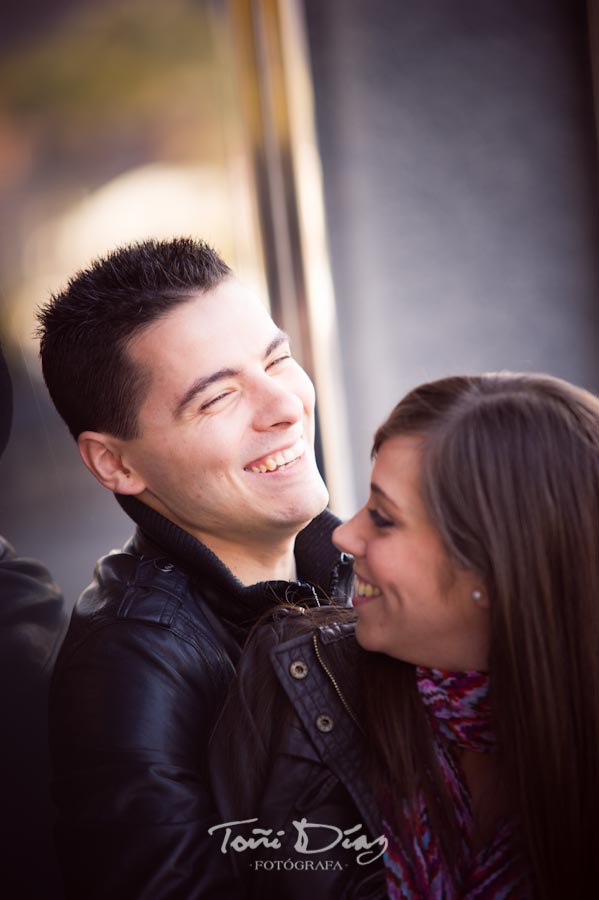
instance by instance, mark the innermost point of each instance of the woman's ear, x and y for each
(480, 597)
(103, 457)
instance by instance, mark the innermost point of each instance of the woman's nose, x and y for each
(349, 536)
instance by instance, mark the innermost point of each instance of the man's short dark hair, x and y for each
(85, 329)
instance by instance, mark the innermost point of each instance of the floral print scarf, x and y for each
(459, 711)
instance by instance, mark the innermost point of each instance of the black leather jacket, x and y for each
(141, 677)
(33, 619)
(310, 792)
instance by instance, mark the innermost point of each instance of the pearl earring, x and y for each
(477, 596)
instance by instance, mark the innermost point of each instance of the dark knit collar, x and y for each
(319, 564)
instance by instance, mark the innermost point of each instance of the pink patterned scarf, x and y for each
(459, 712)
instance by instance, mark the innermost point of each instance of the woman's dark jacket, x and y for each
(141, 677)
(302, 758)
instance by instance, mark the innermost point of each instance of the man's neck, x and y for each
(251, 564)
(268, 558)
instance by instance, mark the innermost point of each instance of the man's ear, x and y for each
(103, 457)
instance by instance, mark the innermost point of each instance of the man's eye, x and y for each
(278, 360)
(377, 519)
(214, 400)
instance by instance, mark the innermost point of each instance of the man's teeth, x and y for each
(282, 458)
(364, 589)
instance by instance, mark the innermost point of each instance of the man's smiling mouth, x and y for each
(278, 460)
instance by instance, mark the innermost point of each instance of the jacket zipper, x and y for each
(331, 677)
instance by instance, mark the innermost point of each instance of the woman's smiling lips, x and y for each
(364, 592)
(278, 459)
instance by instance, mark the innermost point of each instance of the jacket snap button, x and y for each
(298, 669)
(324, 724)
(164, 565)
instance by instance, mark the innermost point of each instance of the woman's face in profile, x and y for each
(411, 601)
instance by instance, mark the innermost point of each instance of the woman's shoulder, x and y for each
(307, 656)
(318, 668)
(299, 624)
(293, 636)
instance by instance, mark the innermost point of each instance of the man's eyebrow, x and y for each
(202, 383)
(279, 338)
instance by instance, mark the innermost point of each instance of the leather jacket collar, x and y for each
(324, 575)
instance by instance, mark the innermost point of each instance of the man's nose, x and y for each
(276, 406)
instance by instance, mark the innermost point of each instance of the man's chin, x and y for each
(308, 506)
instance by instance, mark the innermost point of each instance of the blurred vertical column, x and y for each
(272, 75)
(593, 14)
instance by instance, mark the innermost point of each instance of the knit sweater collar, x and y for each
(318, 562)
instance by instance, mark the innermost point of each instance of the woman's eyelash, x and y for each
(378, 520)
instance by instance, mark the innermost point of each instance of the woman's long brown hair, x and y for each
(510, 476)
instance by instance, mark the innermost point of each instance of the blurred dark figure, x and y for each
(32, 622)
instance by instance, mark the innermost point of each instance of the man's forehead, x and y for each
(229, 311)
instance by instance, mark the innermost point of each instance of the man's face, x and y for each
(227, 426)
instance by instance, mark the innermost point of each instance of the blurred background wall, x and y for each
(460, 173)
(459, 167)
